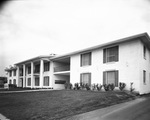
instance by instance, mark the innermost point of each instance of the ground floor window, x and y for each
(60, 81)
(37, 81)
(29, 82)
(46, 81)
(85, 78)
(14, 81)
(110, 77)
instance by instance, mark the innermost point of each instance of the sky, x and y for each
(29, 28)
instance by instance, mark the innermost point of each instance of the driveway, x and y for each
(138, 109)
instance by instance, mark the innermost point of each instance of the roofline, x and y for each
(33, 59)
(126, 39)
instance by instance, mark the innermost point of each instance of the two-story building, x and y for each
(125, 60)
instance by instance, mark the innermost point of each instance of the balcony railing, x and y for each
(62, 68)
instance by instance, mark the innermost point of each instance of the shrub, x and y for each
(106, 87)
(122, 86)
(68, 86)
(111, 86)
(93, 87)
(87, 87)
(76, 86)
(99, 87)
(12, 86)
(131, 87)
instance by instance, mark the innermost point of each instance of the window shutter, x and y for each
(89, 78)
(104, 55)
(117, 54)
(116, 77)
(104, 77)
(90, 58)
(81, 78)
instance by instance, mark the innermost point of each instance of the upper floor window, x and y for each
(111, 54)
(29, 70)
(46, 66)
(37, 68)
(144, 52)
(10, 73)
(86, 59)
(14, 72)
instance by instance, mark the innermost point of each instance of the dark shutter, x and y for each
(104, 55)
(116, 77)
(90, 58)
(81, 78)
(104, 77)
(81, 60)
(89, 78)
(117, 54)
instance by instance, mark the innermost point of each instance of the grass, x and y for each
(49, 105)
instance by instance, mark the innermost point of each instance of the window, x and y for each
(37, 82)
(144, 52)
(46, 81)
(21, 71)
(46, 66)
(29, 70)
(111, 54)
(29, 82)
(85, 78)
(10, 73)
(14, 72)
(110, 77)
(37, 68)
(14, 81)
(144, 77)
(86, 59)
(10, 82)
(60, 81)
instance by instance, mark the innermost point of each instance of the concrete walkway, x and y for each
(101, 114)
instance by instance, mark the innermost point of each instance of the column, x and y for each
(41, 73)
(32, 79)
(24, 75)
(17, 76)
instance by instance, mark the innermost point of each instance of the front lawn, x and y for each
(49, 105)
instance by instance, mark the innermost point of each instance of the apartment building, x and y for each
(125, 60)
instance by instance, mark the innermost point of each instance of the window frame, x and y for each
(83, 59)
(106, 56)
(144, 52)
(144, 77)
(46, 66)
(105, 79)
(82, 75)
(44, 80)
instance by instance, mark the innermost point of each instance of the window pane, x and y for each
(110, 54)
(86, 78)
(46, 66)
(29, 81)
(14, 81)
(111, 77)
(46, 81)
(86, 59)
(37, 81)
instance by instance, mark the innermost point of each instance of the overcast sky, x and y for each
(29, 28)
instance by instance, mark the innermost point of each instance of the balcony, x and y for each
(62, 68)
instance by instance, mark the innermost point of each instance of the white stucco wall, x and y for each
(144, 65)
(128, 65)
